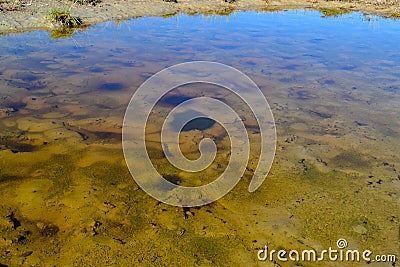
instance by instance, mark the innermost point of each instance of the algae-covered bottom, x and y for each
(67, 197)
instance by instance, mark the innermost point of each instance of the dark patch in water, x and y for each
(392, 88)
(291, 67)
(94, 136)
(36, 86)
(326, 81)
(16, 146)
(286, 57)
(23, 148)
(251, 63)
(17, 84)
(127, 64)
(96, 69)
(311, 55)
(350, 159)
(286, 80)
(109, 136)
(84, 136)
(71, 56)
(175, 179)
(111, 86)
(226, 47)
(29, 86)
(155, 153)
(174, 100)
(146, 75)
(104, 106)
(119, 50)
(329, 82)
(16, 223)
(131, 64)
(200, 124)
(26, 77)
(361, 123)
(99, 136)
(10, 178)
(320, 114)
(348, 97)
(16, 105)
(348, 67)
(317, 40)
(195, 121)
(303, 95)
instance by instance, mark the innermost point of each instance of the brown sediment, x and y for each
(16, 146)
(95, 136)
(24, 15)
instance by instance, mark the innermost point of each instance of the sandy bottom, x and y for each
(71, 199)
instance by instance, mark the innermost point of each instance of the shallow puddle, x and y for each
(66, 195)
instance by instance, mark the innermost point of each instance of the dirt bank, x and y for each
(26, 15)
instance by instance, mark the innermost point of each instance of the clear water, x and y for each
(333, 85)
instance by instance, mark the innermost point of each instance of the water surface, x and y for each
(334, 88)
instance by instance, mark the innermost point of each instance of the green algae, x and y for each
(351, 159)
(106, 173)
(10, 178)
(62, 33)
(194, 249)
(334, 12)
(59, 168)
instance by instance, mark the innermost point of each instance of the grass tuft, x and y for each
(64, 18)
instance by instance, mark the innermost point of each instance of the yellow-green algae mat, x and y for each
(73, 201)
